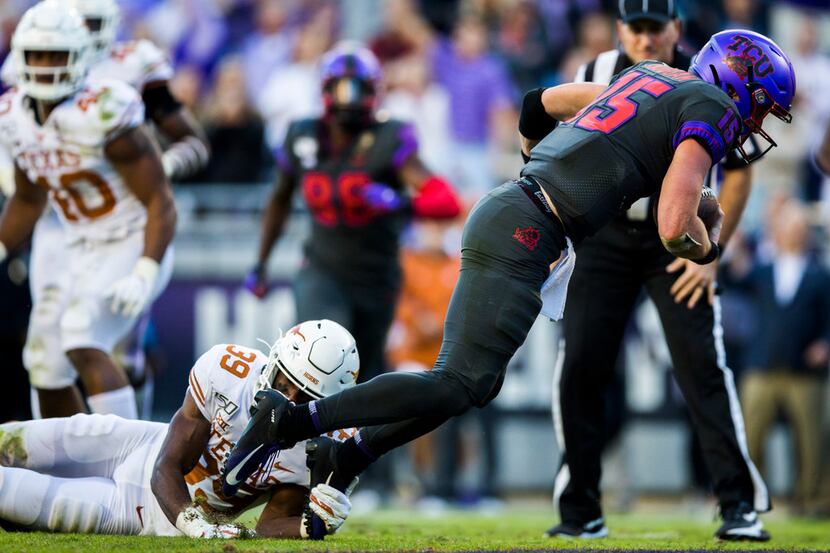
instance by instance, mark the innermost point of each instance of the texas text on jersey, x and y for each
(66, 154)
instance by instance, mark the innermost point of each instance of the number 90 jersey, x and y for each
(66, 154)
(222, 383)
(619, 148)
(344, 227)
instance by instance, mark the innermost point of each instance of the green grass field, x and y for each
(515, 529)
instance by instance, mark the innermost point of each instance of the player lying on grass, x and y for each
(595, 150)
(107, 475)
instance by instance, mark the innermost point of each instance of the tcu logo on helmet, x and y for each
(747, 54)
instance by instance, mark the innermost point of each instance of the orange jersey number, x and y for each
(238, 366)
(82, 194)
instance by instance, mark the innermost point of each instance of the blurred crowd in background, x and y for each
(458, 70)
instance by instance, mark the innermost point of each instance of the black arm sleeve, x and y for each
(534, 121)
(159, 102)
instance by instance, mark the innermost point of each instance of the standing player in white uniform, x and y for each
(107, 475)
(144, 67)
(80, 142)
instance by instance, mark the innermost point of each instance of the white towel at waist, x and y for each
(555, 288)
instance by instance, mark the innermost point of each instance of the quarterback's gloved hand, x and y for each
(131, 294)
(382, 198)
(330, 504)
(192, 523)
(255, 281)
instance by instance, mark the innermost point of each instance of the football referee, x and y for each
(613, 266)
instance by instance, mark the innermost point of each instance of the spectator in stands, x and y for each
(404, 32)
(411, 96)
(186, 86)
(523, 43)
(292, 91)
(481, 103)
(234, 129)
(745, 14)
(595, 36)
(270, 45)
(813, 70)
(788, 360)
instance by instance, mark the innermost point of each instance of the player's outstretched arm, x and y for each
(21, 212)
(431, 196)
(282, 516)
(682, 232)
(135, 156)
(186, 438)
(189, 150)
(566, 100)
(276, 213)
(273, 221)
(542, 108)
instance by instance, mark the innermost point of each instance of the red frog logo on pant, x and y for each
(529, 237)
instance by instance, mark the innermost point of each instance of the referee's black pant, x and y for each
(611, 269)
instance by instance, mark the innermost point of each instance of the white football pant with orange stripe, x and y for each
(86, 473)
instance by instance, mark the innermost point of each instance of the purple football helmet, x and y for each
(754, 72)
(350, 77)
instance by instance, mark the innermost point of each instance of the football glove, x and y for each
(255, 281)
(192, 523)
(130, 295)
(382, 198)
(330, 504)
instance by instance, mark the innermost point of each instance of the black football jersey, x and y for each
(347, 238)
(618, 149)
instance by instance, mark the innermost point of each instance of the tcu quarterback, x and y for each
(593, 151)
(106, 475)
(144, 67)
(79, 143)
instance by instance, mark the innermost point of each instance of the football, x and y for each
(709, 206)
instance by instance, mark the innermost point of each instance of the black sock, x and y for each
(300, 423)
(353, 457)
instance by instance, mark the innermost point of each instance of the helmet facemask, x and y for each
(51, 82)
(51, 51)
(762, 104)
(350, 102)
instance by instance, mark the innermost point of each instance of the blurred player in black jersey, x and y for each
(362, 180)
(614, 266)
(655, 129)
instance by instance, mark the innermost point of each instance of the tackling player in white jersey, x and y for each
(143, 66)
(108, 475)
(80, 142)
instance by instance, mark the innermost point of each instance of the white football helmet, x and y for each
(51, 26)
(102, 18)
(319, 357)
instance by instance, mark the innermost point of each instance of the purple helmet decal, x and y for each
(350, 62)
(753, 71)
